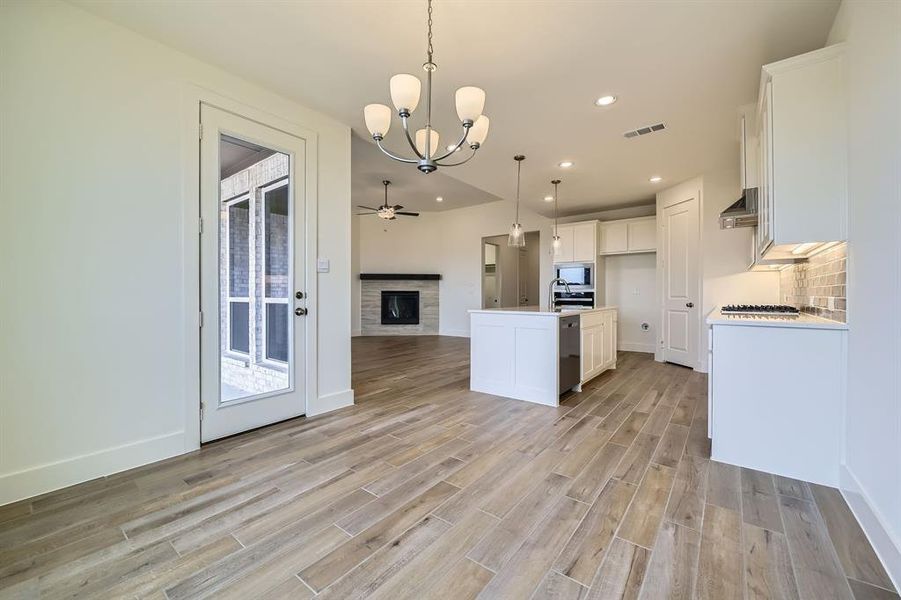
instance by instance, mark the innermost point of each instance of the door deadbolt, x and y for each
(298, 295)
(690, 304)
(300, 312)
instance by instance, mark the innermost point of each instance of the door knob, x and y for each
(300, 312)
(690, 304)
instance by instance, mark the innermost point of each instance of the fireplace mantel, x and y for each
(400, 276)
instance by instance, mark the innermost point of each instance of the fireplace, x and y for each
(400, 307)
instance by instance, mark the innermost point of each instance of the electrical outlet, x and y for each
(636, 292)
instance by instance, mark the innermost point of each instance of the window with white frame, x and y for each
(276, 244)
(238, 261)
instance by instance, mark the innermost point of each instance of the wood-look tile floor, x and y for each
(427, 490)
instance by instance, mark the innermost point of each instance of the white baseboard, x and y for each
(330, 402)
(356, 333)
(455, 332)
(873, 523)
(635, 347)
(40, 479)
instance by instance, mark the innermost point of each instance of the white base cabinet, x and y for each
(598, 342)
(775, 398)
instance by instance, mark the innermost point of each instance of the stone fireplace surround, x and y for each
(372, 285)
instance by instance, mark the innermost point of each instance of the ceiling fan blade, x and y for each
(407, 214)
(367, 207)
(397, 207)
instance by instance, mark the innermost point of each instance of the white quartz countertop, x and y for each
(534, 310)
(802, 321)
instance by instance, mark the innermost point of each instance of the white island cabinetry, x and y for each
(598, 342)
(517, 352)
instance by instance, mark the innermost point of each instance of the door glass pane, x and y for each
(277, 332)
(255, 282)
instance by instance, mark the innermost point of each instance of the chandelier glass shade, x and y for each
(517, 238)
(405, 92)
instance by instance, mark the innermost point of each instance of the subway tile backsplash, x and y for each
(819, 286)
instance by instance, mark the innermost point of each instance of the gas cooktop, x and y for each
(775, 310)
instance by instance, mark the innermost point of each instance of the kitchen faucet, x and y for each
(550, 291)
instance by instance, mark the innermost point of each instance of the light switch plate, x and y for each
(322, 265)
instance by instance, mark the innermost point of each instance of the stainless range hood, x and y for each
(741, 213)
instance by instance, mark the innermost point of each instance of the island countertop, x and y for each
(535, 310)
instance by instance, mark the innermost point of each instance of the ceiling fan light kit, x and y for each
(386, 211)
(405, 95)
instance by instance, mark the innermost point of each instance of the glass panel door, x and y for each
(252, 274)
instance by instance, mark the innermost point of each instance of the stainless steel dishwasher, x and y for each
(569, 352)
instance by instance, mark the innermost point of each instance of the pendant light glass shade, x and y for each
(470, 102)
(405, 90)
(516, 238)
(479, 131)
(378, 119)
(556, 245)
(420, 142)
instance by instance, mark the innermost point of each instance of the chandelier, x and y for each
(405, 91)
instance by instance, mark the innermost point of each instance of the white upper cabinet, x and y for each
(614, 237)
(578, 242)
(629, 236)
(802, 172)
(585, 239)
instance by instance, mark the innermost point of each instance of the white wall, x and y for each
(631, 286)
(96, 359)
(724, 254)
(872, 472)
(449, 243)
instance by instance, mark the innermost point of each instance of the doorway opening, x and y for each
(510, 275)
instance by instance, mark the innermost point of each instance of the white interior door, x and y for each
(253, 275)
(680, 283)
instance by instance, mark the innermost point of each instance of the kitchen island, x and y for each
(533, 355)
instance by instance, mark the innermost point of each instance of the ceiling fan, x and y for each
(385, 211)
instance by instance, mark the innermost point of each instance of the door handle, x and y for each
(300, 312)
(690, 304)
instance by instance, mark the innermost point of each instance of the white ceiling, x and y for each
(409, 188)
(689, 64)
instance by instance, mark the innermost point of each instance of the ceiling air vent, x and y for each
(644, 130)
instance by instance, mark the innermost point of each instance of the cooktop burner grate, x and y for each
(761, 309)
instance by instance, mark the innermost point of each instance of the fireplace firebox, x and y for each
(400, 307)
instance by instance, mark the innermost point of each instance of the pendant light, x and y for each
(555, 244)
(516, 237)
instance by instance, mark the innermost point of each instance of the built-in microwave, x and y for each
(577, 275)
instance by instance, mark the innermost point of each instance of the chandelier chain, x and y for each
(430, 50)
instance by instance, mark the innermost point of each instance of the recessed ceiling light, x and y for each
(439, 199)
(548, 198)
(605, 100)
(566, 164)
(656, 179)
